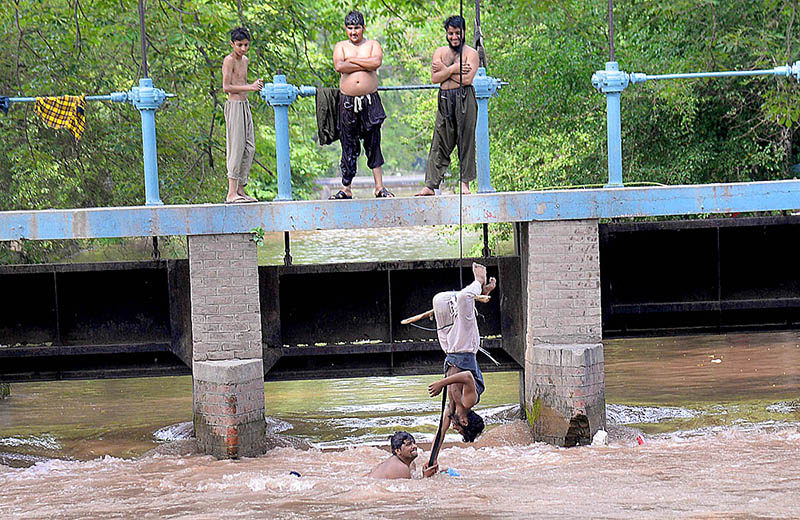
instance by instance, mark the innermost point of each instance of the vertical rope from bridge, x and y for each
(459, 135)
(437, 442)
(145, 72)
(611, 30)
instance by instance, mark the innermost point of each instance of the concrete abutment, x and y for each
(564, 381)
(227, 363)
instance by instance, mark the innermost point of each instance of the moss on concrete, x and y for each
(5, 390)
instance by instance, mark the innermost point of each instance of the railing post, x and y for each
(147, 99)
(485, 87)
(612, 82)
(280, 95)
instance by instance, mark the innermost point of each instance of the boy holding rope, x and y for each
(457, 328)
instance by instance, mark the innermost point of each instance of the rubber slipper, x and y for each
(384, 194)
(340, 196)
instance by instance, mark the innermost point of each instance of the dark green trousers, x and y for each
(457, 113)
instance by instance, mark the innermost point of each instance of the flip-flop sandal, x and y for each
(238, 200)
(340, 196)
(384, 194)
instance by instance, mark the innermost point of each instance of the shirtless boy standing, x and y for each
(360, 109)
(240, 137)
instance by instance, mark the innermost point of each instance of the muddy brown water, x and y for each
(720, 416)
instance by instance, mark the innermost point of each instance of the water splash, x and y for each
(174, 432)
(623, 414)
(44, 442)
(784, 407)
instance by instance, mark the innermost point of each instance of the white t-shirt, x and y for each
(459, 333)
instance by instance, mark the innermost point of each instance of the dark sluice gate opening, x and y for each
(28, 309)
(707, 275)
(578, 433)
(113, 307)
(357, 303)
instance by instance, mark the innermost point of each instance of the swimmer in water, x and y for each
(398, 465)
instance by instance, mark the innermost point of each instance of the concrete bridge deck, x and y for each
(527, 206)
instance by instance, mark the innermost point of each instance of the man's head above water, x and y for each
(403, 446)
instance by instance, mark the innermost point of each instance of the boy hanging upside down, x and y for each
(459, 338)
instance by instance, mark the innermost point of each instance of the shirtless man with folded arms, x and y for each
(361, 112)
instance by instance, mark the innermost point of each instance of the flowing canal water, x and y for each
(720, 416)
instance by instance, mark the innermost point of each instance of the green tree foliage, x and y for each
(547, 127)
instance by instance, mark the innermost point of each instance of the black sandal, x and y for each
(384, 194)
(340, 196)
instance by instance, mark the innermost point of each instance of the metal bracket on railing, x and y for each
(147, 99)
(280, 95)
(485, 87)
(613, 81)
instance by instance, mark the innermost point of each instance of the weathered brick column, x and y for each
(227, 366)
(564, 375)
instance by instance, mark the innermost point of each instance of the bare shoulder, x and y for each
(374, 43)
(440, 51)
(391, 468)
(228, 60)
(470, 51)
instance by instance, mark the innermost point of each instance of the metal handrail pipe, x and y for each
(280, 95)
(612, 82)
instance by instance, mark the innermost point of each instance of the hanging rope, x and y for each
(479, 35)
(437, 442)
(459, 135)
(611, 30)
(143, 36)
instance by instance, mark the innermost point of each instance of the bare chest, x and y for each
(357, 51)
(240, 71)
(449, 57)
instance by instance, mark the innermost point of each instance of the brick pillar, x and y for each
(227, 366)
(564, 375)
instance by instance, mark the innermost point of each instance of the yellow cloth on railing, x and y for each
(63, 112)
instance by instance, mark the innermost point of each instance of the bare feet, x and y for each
(489, 286)
(425, 192)
(465, 188)
(479, 271)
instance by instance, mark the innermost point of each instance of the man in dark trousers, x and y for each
(361, 113)
(453, 67)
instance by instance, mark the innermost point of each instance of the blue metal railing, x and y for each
(280, 95)
(147, 99)
(613, 81)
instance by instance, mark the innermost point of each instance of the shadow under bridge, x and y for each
(133, 319)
